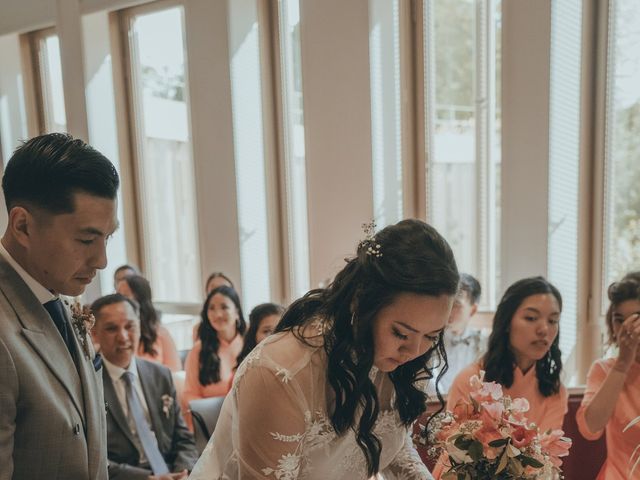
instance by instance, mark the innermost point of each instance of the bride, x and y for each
(334, 392)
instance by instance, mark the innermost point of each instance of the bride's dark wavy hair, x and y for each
(499, 361)
(415, 259)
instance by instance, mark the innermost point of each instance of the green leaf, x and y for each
(475, 450)
(463, 442)
(501, 442)
(531, 462)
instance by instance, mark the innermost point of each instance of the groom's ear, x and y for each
(20, 225)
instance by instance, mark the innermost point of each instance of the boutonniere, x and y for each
(83, 321)
(167, 403)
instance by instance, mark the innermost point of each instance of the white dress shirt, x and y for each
(42, 294)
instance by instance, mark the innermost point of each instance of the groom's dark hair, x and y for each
(46, 171)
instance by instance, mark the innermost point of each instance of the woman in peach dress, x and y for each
(523, 355)
(209, 365)
(612, 397)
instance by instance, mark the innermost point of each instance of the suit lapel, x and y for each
(93, 402)
(153, 398)
(114, 408)
(41, 333)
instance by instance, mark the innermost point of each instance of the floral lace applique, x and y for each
(252, 358)
(318, 434)
(354, 460)
(408, 466)
(387, 422)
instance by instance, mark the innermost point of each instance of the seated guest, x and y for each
(209, 365)
(612, 396)
(463, 344)
(124, 271)
(146, 434)
(215, 280)
(523, 354)
(263, 320)
(156, 343)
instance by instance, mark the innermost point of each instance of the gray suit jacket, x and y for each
(52, 417)
(175, 441)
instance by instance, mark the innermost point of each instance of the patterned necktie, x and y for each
(144, 433)
(56, 312)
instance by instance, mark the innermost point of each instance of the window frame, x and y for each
(121, 23)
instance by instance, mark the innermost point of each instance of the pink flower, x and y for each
(486, 391)
(556, 445)
(463, 411)
(495, 410)
(522, 436)
(486, 435)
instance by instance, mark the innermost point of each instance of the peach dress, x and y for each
(166, 351)
(546, 412)
(193, 389)
(619, 445)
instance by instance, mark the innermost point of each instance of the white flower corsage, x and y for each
(83, 321)
(167, 403)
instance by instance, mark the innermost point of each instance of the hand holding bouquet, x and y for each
(489, 438)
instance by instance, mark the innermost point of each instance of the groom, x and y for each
(61, 200)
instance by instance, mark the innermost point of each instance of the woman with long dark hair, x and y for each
(612, 396)
(263, 320)
(333, 393)
(524, 353)
(156, 343)
(209, 365)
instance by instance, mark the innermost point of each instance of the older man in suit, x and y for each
(147, 436)
(61, 199)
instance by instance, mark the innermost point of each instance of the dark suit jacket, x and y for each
(175, 441)
(52, 418)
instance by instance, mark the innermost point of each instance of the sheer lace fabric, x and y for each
(274, 423)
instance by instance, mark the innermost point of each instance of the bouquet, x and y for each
(489, 438)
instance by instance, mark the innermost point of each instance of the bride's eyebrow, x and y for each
(408, 327)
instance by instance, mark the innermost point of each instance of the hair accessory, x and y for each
(369, 243)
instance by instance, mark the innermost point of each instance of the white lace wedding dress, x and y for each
(274, 423)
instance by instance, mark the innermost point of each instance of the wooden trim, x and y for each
(273, 148)
(32, 85)
(128, 172)
(278, 101)
(420, 141)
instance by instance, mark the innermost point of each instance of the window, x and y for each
(162, 151)
(103, 135)
(45, 51)
(564, 163)
(462, 123)
(246, 96)
(386, 115)
(294, 146)
(622, 144)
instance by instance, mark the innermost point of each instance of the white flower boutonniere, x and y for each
(83, 321)
(167, 403)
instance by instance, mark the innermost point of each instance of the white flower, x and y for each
(167, 403)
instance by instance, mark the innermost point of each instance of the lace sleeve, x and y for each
(407, 464)
(271, 428)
